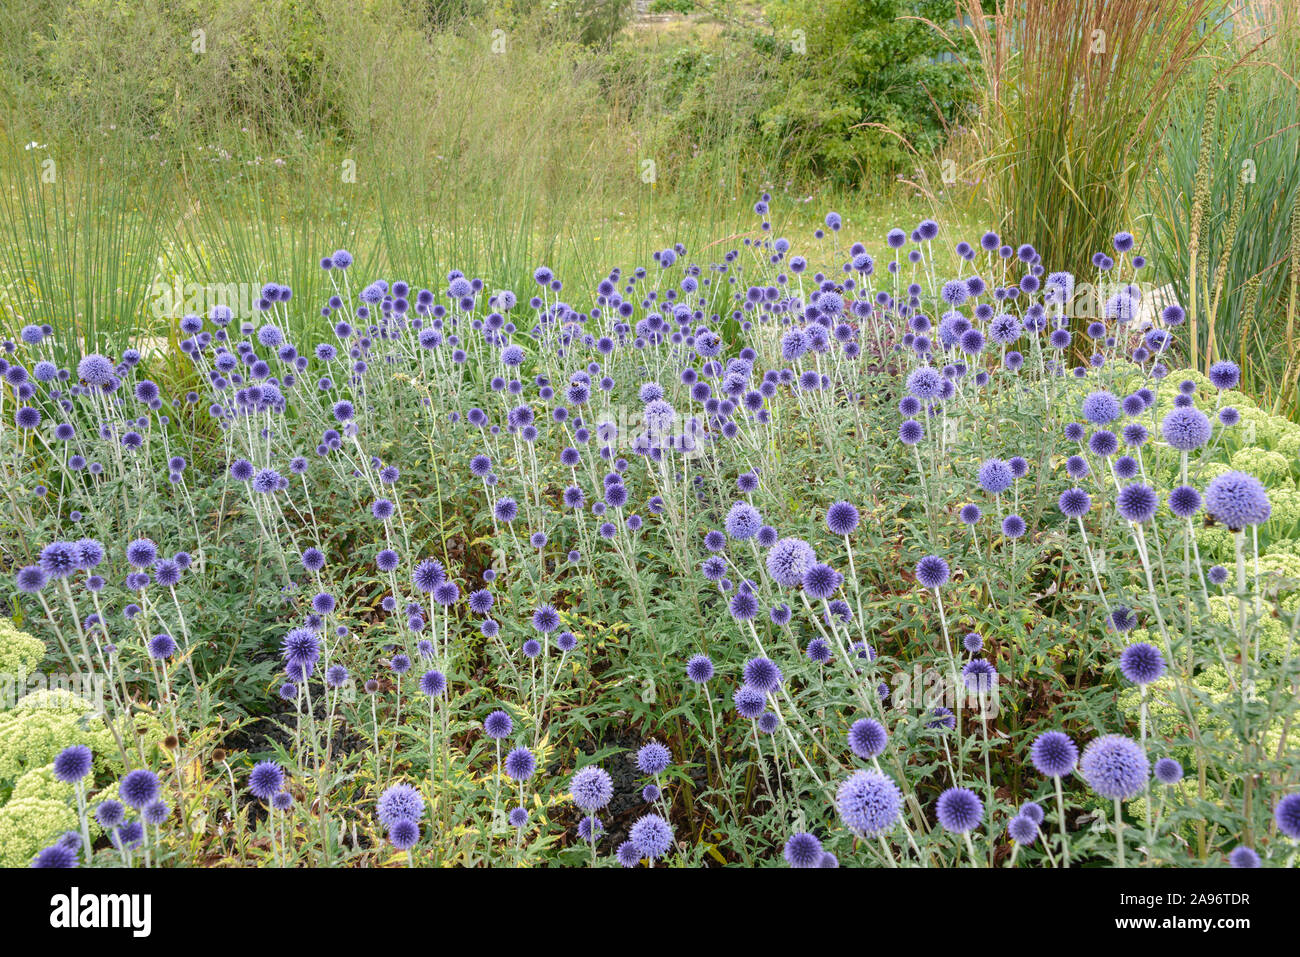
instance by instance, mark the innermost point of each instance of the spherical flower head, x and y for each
(161, 647)
(155, 813)
(970, 514)
(867, 737)
(959, 810)
(30, 579)
(72, 763)
(404, 834)
(842, 518)
(627, 854)
(518, 818)
(399, 802)
(95, 369)
(1237, 500)
(652, 836)
(925, 383)
(1287, 816)
(743, 521)
(1137, 502)
(868, 803)
(1033, 811)
(995, 476)
(138, 788)
(546, 619)
(1243, 856)
(1186, 429)
(821, 581)
(591, 788)
(433, 683)
(788, 559)
(428, 575)
(699, 669)
(109, 814)
(141, 553)
(910, 432)
(762, 674)
(1023, 830)
(1217, 575)
(973, 643)
(932, 572)
(1168, 771)
(1142, 663)
(56, 855)
(1115, 766)
(750, 702)
(301, 648)
(1100, 408)
(520, 764)
(1013, 526)
(1224, 375)
(265, 780)
(803, 850)
(1053, 754)
(498, 725)
(1184, 501)
(979, 676)
(653, 758)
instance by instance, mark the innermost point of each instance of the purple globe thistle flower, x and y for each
(973, 643)
(506, 510)
(1074, 503)
(821, 581)
(30, 579)
(699, 669)
(932, 572)
(762, 674)
(1013, 526)
(787, 561)
(1243, 856)
(1033, 811)
(1053, 754)
(264, 781)
(749, 702)
(1115, 766)
(651, 793)
(995, 476)
(803, 850)
(138, 788)
(399, 802)
(520, 764)
(433, 683)
(1237, 500)
(400, 664)
(404, 834)
(1217, 575)
(1142, 663)
(161, 647)
(1186, 429)
(940, 719)
(970, 514)
(653, 758)
(627, 854)
(867, 737)
(910, 432)
(1168, 771)
(842, 518)
(546, 619)
(428, 575)
(743, 605)
(386, 560)
(1184, 501)
(1224, 375)
(979, 676)
(1287, 816)
(72, 763)
(498, 725)
(591, 788)
(109, 814)
(336, 676)
(155, 813)
(1101, 407)
(1137, 502)
(959, 810)
(518, 818)
(56, 855)
(652, 836)
(1122, 619)
(743, 521)
(1023, 830)
(868, 803)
